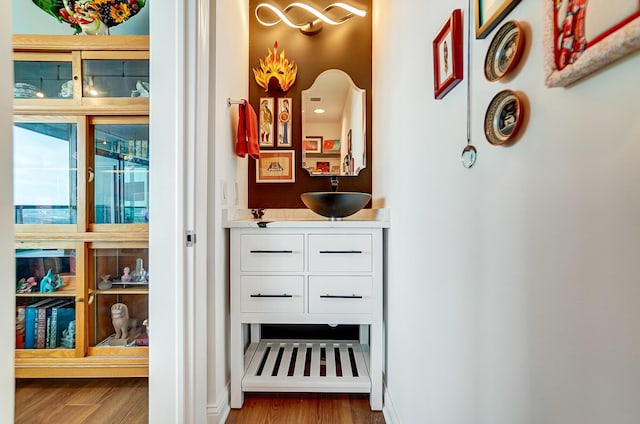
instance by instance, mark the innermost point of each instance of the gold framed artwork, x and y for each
(489, 13)
(276, 166)
(265, 122)
(583, 37)
(284, 122)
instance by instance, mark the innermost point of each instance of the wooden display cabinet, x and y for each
(81, 179)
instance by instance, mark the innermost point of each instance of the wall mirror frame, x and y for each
(334, 126)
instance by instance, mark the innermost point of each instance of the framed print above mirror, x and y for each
(489, 13)
(447, 56)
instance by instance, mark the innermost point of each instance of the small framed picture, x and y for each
(276, 166)
(312, 144)
(323, 167)
(331, 146)
(284, 122)
(265, 122)
(489, 13)
(447, 56)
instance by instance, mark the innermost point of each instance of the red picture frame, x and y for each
(447, 56)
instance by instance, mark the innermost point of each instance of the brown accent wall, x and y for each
(346, 47)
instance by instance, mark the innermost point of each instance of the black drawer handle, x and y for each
(271, 251)
(271, 295)
(341, 251)
(331, 296)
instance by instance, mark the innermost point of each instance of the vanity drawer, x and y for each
(340, 295)
(272, 252)
(282, 294)
(340, 252)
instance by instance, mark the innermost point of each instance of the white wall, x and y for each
(7, 255)
(512, 291)
(229, 62)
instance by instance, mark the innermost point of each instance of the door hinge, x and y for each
(190, 238)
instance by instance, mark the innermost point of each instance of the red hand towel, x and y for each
(247, 140)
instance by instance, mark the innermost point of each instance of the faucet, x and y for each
(334, 183)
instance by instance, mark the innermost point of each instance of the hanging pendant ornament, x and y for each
(469, 153)
(276, 66)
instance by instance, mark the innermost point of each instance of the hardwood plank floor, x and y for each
(77, 401)
(126, 401)
(305, 408)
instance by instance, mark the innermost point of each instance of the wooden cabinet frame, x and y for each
(84, 360)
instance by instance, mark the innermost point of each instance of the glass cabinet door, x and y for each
(115, 77)
(118, 289)
(43, 76)
(46, 290)
(45, 170)
(121, 167)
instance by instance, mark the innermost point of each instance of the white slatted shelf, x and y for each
(326, 368)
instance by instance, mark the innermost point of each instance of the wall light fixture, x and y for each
(315, 19)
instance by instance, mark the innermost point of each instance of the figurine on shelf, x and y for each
(105, 283)
(140, 274)
(49, 284)
(68, 339)
(26, 285)
(127, 329)
(126, 275)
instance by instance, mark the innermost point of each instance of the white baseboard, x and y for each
(218, 413)
(389, 410)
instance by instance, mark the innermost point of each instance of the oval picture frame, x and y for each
(504, 51)
(504, 117)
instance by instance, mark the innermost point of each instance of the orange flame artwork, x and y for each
(276, 66)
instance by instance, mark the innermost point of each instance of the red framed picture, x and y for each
(447, 56)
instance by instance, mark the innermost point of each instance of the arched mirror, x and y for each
(333, 125)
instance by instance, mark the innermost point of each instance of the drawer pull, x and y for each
(271, 295)
(331, 296)
(271, 251)
(341, 251)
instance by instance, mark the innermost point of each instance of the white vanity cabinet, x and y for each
(316, 274)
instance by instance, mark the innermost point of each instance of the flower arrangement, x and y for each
(91, 16)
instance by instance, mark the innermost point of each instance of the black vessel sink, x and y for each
(335, 204)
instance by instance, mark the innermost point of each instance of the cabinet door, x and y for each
(45, 163)
(118, 189)
(49, 290)
(45, 79)
(118, 289)
(115, 74)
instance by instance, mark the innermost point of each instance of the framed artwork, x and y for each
(331, 146)
(582, 37)
(276, 166)
(489, 13)
(265, 123)
(284, 121)
(447, 56)
(312, 144)
(323, 167)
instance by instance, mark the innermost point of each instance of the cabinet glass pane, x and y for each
(120, 277)
(45, 302)
(115, 78)
(44, 173)
(121, 174)
(35, 79)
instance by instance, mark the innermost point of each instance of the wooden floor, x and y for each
(71, 401)
(126, 401)
(306, 408)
